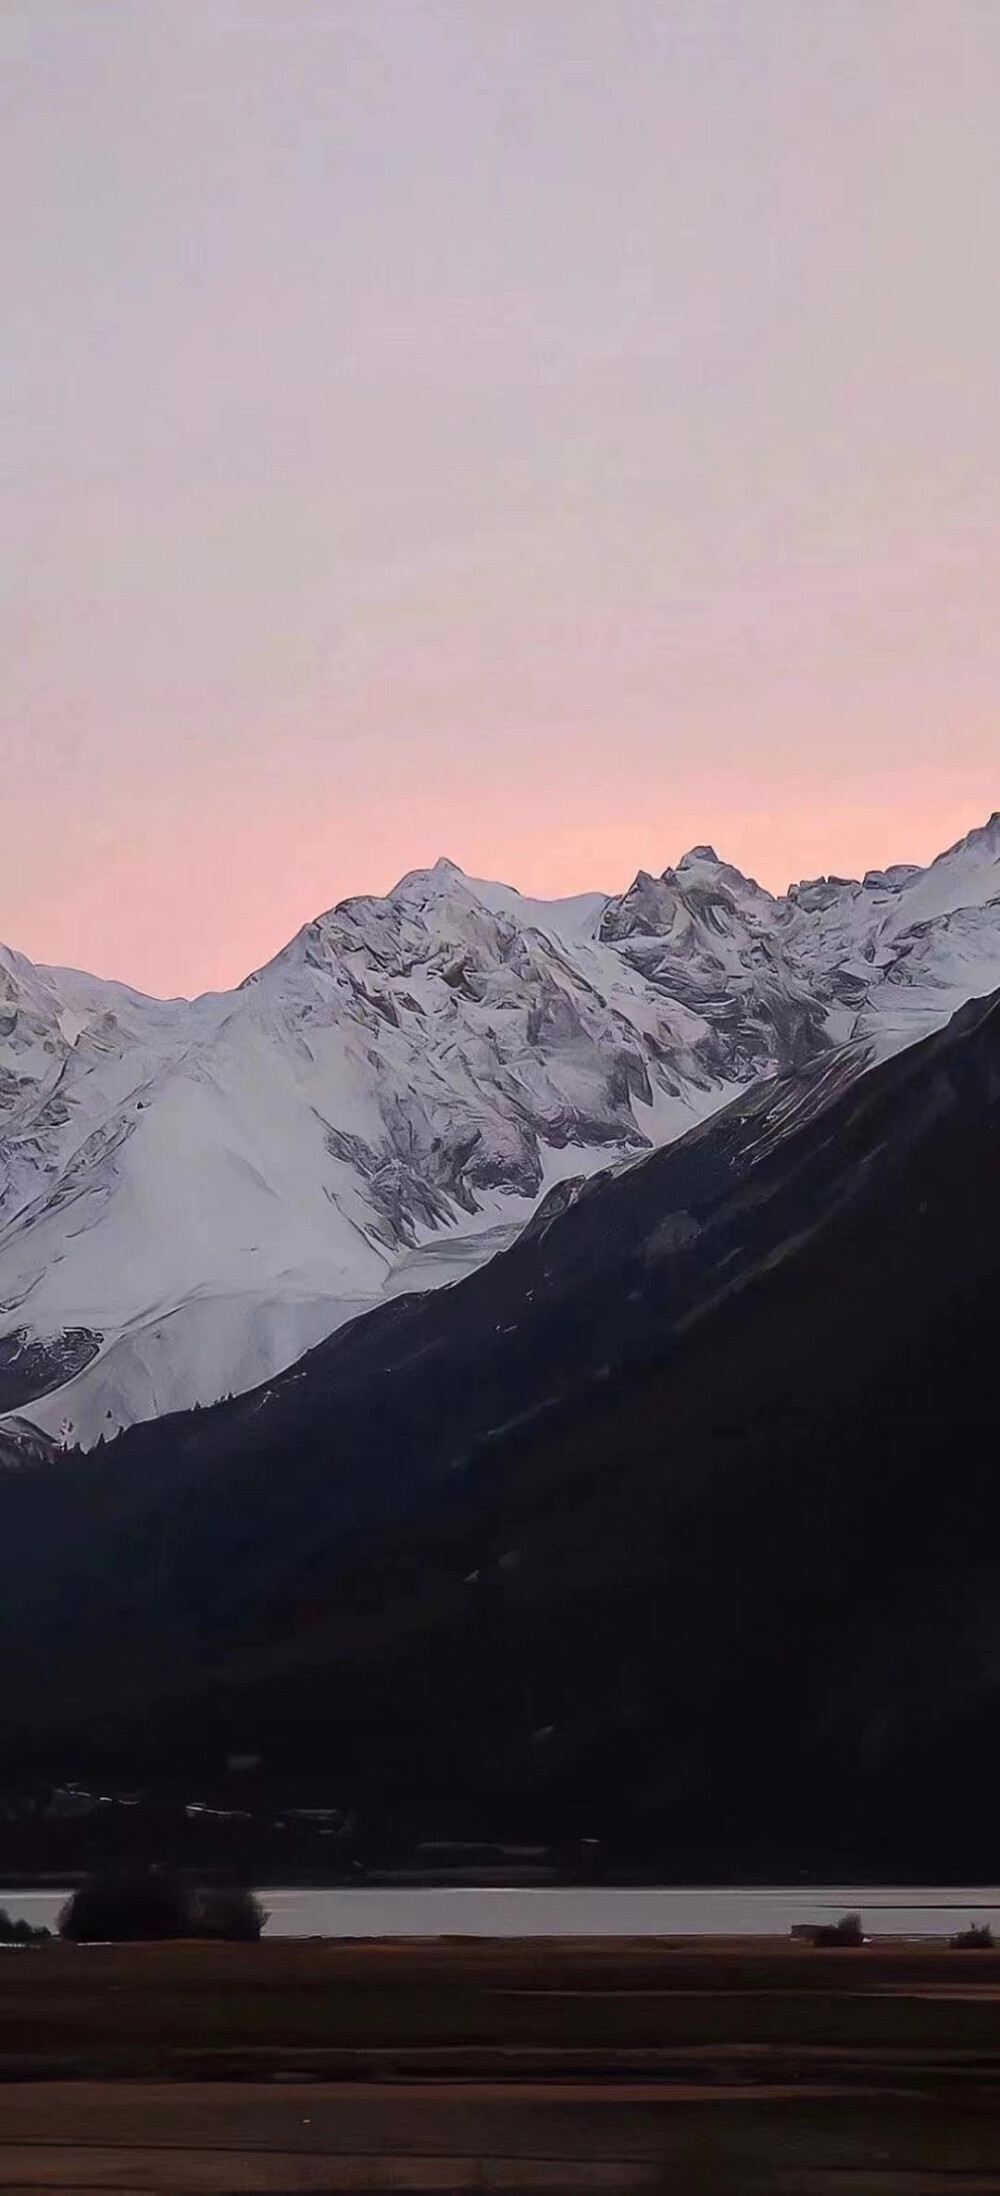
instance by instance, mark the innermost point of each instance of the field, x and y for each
(605, 2065)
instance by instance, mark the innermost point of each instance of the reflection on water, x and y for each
(474, 1911)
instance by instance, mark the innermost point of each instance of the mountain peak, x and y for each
(699, 854)
(191, 1194)
(984, 835)
(443, 874)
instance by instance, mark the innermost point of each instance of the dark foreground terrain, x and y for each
(464, 2064)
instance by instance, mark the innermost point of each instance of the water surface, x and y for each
(591, 1911)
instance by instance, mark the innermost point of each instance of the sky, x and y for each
(549, 433)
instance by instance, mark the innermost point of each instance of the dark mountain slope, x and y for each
(408, 1395)
(732, 1600)
(22, 1447)
(394, 1078)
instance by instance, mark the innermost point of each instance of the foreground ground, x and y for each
(458, 2064)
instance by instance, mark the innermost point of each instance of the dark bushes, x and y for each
(847, 1931)
(977, 1939)
(226, 1910)
(144, 1905)
(124, 1905)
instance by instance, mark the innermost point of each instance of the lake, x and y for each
(557, 1911)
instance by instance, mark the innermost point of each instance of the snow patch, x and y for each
(214, 1185)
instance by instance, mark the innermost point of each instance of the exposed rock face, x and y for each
(205, 1188)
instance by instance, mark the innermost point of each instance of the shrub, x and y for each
(19, 1932)
(226, 1910)
(847, 1931)
(127, 1906)
(977, 1939)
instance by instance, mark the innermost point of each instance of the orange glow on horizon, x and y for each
(204, 922)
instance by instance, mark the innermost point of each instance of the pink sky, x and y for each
(545, 435)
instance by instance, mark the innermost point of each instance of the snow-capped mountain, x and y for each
(192, 1193)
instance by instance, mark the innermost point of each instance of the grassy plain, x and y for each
(601, 2065)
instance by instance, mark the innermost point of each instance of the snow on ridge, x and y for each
(572, 919)
(196, 1191)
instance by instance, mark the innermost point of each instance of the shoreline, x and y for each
(500, 1879)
